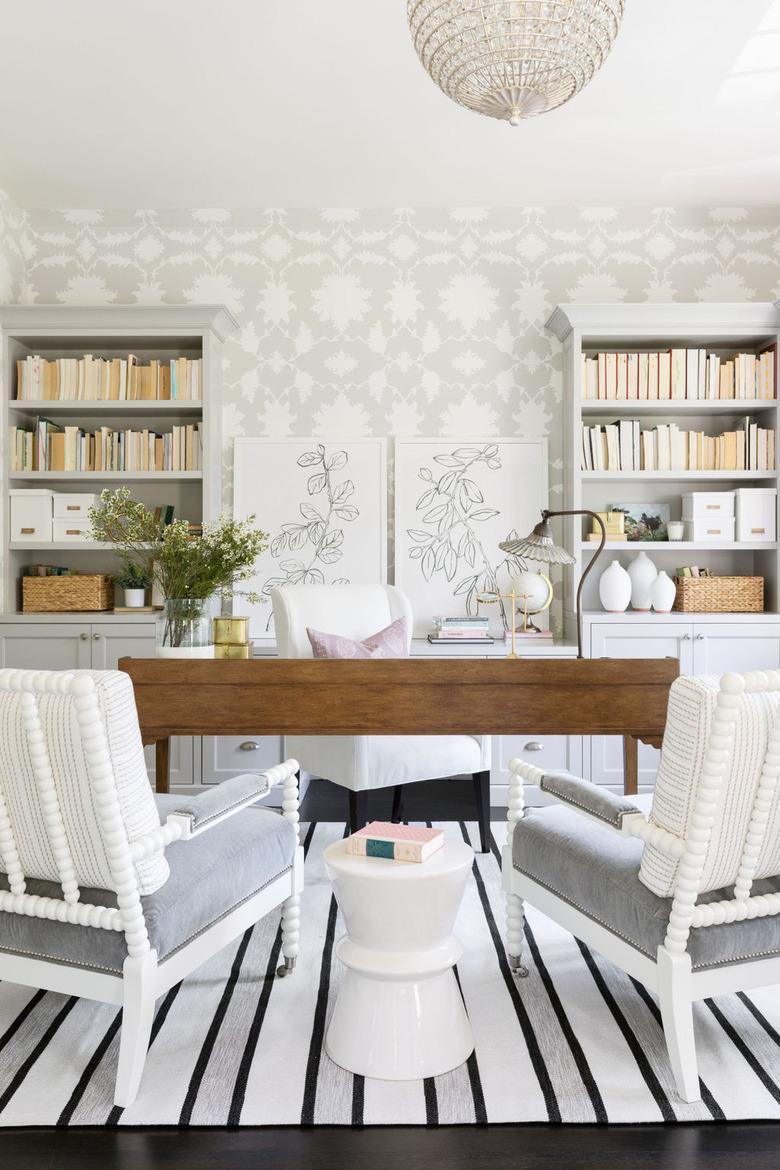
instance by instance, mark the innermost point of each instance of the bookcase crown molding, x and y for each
(103, 319)
(663, 320)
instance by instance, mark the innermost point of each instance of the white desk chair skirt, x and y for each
(90, 902)
(687, 900)
(364, 763)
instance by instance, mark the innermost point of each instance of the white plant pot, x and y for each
(615, 588)
(642, 572)
(662, 593)
(185, 651)
(135, 598)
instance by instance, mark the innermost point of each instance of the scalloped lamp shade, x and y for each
(513, 59)
(538, 546)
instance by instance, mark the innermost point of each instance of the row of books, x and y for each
(678, 374)
(94, 379)
(624, 446)
(50, 447)
(462, 630)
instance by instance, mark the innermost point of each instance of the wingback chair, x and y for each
(363, 763)
(97, 897)
(686, 901)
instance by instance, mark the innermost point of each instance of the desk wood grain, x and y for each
(602, 696)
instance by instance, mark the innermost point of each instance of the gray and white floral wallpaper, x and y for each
(426, 321)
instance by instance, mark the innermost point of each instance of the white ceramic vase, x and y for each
(662, 593)
(135, 598)
(642, 572)
(615, 588)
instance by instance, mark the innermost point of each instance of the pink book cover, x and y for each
(408, 834)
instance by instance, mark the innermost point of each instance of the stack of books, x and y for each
(462, 631)
(395, 842)
(623, 446)
(91, 379)
(680, 374)
(51, 447)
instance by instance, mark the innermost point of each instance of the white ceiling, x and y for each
(211, 103)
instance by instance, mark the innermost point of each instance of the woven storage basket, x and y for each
(90, 593)
(719, 594)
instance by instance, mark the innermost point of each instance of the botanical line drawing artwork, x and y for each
(453, 506)
(319, 534)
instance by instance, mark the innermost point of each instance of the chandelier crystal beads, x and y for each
(513, 59)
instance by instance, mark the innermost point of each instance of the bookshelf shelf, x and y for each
(670, 406)
(161, 332)
(108, 476)
(589, 546)
(637, 328)
(83, 407)
(678, 476)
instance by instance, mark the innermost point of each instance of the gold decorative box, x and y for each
(232, 631)
(232, 649)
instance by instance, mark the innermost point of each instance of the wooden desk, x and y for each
(601, 696)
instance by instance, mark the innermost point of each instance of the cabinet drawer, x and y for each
(550, 752)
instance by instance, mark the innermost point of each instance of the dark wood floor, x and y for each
(730, 1146)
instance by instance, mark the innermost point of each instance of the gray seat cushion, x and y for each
(210, 876)
(597, 871)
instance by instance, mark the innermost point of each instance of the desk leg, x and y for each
(162, 764)
(630, 765)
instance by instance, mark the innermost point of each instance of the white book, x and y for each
(642, 376)
(702, 373)
(652, 376)
(632, 373)
(691, 373)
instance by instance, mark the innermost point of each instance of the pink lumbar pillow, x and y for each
(391, 642)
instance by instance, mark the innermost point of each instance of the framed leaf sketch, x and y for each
(455, 500)
(323, 503)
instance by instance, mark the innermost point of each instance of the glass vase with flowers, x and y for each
(188, 567)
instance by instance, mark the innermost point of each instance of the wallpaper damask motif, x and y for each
(12, 262)
(398, 321)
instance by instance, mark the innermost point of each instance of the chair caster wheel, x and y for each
(286, 968)
(517, 968)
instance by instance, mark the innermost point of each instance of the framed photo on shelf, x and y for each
(455, 501)
(323, 503)
(644, 521)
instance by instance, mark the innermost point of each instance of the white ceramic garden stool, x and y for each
(399, 1013)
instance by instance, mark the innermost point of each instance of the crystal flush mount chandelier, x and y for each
(513, 59)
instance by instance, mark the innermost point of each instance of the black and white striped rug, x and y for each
(577, 1041)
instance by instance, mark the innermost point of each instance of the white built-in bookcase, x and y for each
(165, 332)
(720, 328)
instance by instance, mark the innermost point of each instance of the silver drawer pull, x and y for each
(83, 637)
(249, 745)
(534, 746)
(700, 637)
(686, 637)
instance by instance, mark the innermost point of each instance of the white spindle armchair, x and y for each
(686, 901)
(90, 903)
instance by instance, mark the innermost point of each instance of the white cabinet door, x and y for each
(659, 640)
(230, 755)
(735, 646)
(109, 643)
(45, 646)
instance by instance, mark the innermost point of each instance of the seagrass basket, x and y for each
(92, 593)
(719, 595)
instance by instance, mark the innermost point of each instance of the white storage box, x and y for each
(757, 514)
(75, 530)
(712, 505)
(31, 515)
(710, 529)
(72, 505)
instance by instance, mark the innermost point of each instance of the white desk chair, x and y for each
(362, 763)
(687, 901)
(91, 904)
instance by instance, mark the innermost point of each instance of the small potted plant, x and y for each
(135, 579)
(189, 567)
